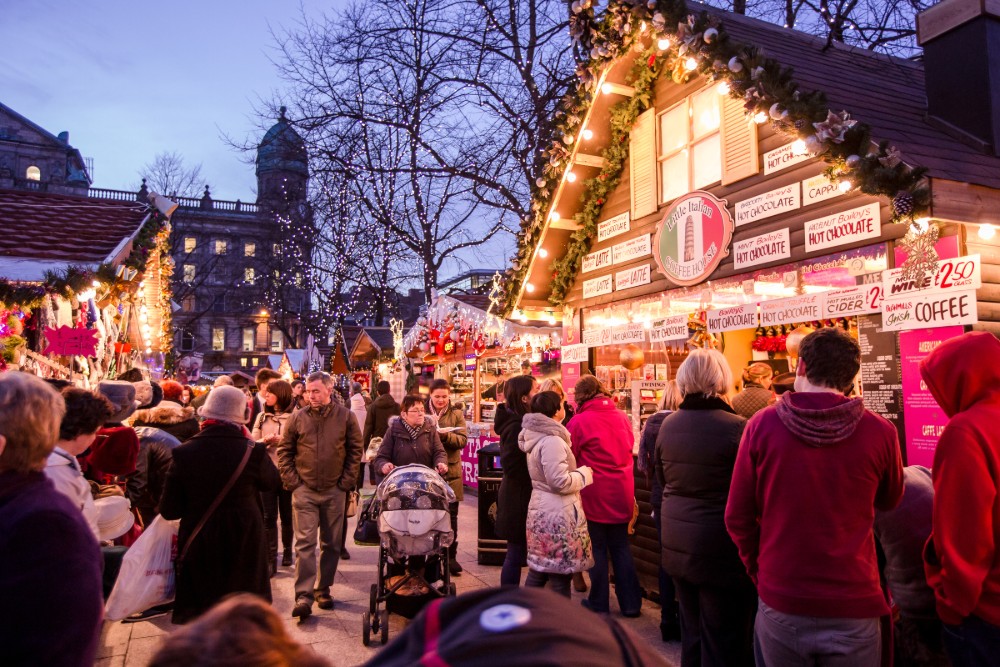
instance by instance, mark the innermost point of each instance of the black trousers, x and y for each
(277, 504)
(716, 624)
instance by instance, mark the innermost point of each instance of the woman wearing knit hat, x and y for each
(214, 484)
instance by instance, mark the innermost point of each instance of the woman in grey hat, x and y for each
(229, 553)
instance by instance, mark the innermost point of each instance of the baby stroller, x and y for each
(415, 532)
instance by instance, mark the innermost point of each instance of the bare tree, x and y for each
(168, 175)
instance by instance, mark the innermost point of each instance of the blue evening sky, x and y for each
(129, 80)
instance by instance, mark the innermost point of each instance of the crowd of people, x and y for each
(790, 532)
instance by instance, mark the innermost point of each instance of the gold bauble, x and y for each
(631, 357)
(794, 339)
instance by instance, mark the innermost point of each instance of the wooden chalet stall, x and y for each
(723, 181)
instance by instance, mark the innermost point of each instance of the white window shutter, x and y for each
(740, 157)
(642, 165)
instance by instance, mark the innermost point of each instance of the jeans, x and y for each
(668, 596)
(277, 504)
(972, 643)
(611, 539)
(559, 582)
(787, 640)
(716, 624)
(517, 556)
(314, 511)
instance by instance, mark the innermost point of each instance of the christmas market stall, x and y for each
(84, 286)
(461, 339)
(720, 181)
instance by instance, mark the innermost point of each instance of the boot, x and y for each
(286, 557)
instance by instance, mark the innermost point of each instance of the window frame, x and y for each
(689, 145)
(249, 275)
(184, 273)
(193, 244)
(225, 247)
(249, 248)
(253, 339)
(222, 344)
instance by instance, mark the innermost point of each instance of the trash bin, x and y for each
(492, 549)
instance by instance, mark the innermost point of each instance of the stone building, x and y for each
(32, 158)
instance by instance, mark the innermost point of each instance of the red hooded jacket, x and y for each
(809, 474)
(962, 558)
(602, 439)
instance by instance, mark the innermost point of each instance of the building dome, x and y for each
(282, 149)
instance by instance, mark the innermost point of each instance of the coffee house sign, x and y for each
(693, 238)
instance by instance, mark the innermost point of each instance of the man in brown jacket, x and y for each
(319, 456)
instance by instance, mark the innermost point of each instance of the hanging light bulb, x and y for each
(663, 43)
(529, 288)
(798, 147)
(987, 231)
(845, 186)
(690, 64)
(543, 253)
(587, 135)
(723, 88)
(760, 117)
(554, 216)
(570, 176)
(922, 224)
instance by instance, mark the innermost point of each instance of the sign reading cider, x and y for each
(693, 238)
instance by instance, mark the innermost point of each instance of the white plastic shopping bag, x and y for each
(146, 578)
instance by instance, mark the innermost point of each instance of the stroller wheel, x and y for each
(452, 590)
(385, 626)
(373, 600)
(366, 629)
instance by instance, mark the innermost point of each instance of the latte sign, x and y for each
(693, 238)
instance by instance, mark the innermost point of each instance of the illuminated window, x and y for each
(249, 275)
(253, 362)
(690, 145)
(189, 270)
(188, 303)
(277, 340)
(298, 279)
(243, 362)
(276, 248)
(218, 339)
(248, 335)
(33, 173)
(249, 249)
(190, 243)
(221, 246)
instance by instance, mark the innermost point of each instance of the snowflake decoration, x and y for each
(921, 257)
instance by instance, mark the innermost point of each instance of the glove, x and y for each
(588, 475)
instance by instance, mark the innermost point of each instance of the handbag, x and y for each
(213, 506)
(366, 534)
(352, 503)
(373, 446)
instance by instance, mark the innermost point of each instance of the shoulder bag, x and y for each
(215, 504)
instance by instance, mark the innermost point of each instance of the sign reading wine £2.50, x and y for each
(693, 237)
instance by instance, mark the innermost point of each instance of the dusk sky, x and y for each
(129, 80)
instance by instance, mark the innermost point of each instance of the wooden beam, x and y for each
(964, 202)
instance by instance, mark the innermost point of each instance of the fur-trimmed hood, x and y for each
(167, 412)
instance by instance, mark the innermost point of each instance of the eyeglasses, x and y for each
(418, 411)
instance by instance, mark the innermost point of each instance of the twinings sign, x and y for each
(597, 260)
(729, 319)
(613, 227)
(762, 249)
(782, 158)
(693, 237)
(819, 188)
(597, 286)
(926, 310)
(669, 328)
(839, 229)
(632, 277)
(632, 249)
(633, 332)
(574, 354)
(768, 204)
(808, 307)
(860, 300)
(958, 273)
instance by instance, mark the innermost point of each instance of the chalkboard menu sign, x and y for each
(881, 379)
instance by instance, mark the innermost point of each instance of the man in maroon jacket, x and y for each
(809, 475)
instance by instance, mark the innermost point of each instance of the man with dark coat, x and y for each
(319, 457)
(383, 408)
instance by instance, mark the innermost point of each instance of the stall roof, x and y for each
(44, 232)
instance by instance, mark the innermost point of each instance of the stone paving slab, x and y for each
(336, 633)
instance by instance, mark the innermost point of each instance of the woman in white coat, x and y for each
(558, 540)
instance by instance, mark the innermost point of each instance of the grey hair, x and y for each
(320, 376)
(552, 385)
(672, 397)
(356, 387)
(706, 372)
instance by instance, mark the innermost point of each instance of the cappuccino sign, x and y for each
(819, 188)
(693, 237)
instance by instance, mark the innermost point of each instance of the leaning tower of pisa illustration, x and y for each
(689, 239)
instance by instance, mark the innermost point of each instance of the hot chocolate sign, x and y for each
(693, 238)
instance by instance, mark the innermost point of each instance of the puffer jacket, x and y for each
(267, 424)
(454, 443)
(171, 417)
(400, 449)
(321, 448)
(558, 540)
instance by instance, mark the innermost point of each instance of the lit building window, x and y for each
(218, 339)
(189, 270)
(243, 362)
(276, 248)
(188, 303)
(221, 246)
(249, 275)
(689, 151)
(33, 173)
(248, 339)
(190, 243)
(277, 340)
(249, 249)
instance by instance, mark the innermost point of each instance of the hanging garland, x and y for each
(75, 279)
(698, 45)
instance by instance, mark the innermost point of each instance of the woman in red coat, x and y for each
(602, 439)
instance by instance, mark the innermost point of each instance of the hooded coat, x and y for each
(810, 473)
(558, 540)
(377, 421)
(963, 555)
(603, 440)
(171, 417)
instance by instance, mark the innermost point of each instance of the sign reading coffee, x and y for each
(693, 237)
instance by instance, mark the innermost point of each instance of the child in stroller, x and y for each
(414, 526)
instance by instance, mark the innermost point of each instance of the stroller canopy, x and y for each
(413, 511)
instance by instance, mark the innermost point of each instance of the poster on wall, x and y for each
(693, 237)
(924, 419)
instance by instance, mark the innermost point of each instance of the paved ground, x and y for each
(337, 633)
